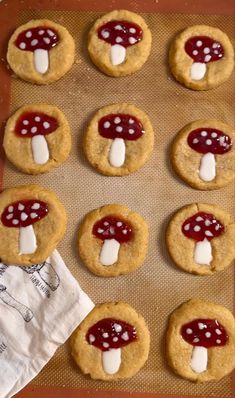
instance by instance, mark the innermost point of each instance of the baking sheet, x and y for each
(154, 191)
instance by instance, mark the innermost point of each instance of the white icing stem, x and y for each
(198, 70)
(202, 252)
(41, 60)
(109, 252)
(111, 360)
(117, 152)
(207, 171)
(40, 149)
(27, 240)
(118, 54)
(199, 359)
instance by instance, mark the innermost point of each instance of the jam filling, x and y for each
(40, 37)
(204, 49)
(202, 225)
(24, 213)
(112, 227)
(205, 333)
(120, 32)
(35, 123)
(204, 140)
(120, 125)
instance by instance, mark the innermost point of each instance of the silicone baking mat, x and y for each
(158, 287)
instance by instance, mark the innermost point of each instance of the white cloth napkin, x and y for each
(40, 306)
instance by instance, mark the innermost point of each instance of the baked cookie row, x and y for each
(119, 43)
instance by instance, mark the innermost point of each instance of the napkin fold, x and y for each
(40, 306)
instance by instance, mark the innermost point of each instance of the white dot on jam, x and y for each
(106, 125)
(34, 42)
(28, 34)
(105, 34)
(208, 142)
(189, 331)
(204, 133)
(22, 46)
(20, 206)
(34, 130)
(199, 219)
(132, 30)
(41, 32)
(118, 27)
(100, 230)
(50, 33)
(214, 135)
(35, 206)
(25, 122)
(217, 331)
(119, 129)
(218, 341)
(106, 345)
(46, 125)
(200, 325)
(196, 340)
(106, 223)
(124, 231)
(195, 141)
(91, 338)
(46, 40)
(117, 327)
(186, 227)
(197, 228)
(208, 233)
(23, 216)
(33, 215)
(217, 227)
(195, 52)
(115, 339)
(131, 121)
(199, 43)
(208, 335)
(119, 224)
(118, 39)
(10, 209)
(132, 40)
(37, 119)
(9, 216)
(117, 120)
(24, 131)
(216, 51)
(125, 336)
(206, 50)
(105, 335)
(131, 131)
(215, 45)
(207, 223)
(207, 58)
(15, 222)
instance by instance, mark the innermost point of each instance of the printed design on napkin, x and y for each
(46, 273)
(6, 297)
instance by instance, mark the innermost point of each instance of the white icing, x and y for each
(218, 341)
(34, 42)
(106, 125)
(105, 345)
(27, 240)
(118, 54)
(207, 223)
(119, 224)
(25, 122)
(208, 142)
(41, 32)
(131, 121)
(46, 40)
(195, 52)
(91, 338)
(109, 252)
(189, 331)
(40, 149)
(33, 215)
(50, 33)
(28, 34)
(132, 40)
(41, 60)
(199, 359)
(197, 228)
(207, 170)
(117, 120)
(208, 335)
(199, 219)
(217, 331)
(119, 129)
(203, 252)
(111, 360)
(201, 325)
(20, 206)
(105, 335)
(105, 34)
(186, 227)
(117, 327)
(197, 70)
(196, 340)
(22, 46)
(125, 336)
(206, 50)
(46, 125)
(204, 133)
(100, 230)
(9, 216)
(23, 216)
(118, 27)
(118, 39)
(35, 206)
(34, 130)
(132, 30)
(15, 221)
(131, 131)
(37, 119)
(10, 209)
(117, 152)
(199, 43)
(23, 131)
(207, 58)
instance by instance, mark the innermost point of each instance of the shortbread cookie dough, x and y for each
(201, 341)
(113, 240)
(37, 138)
(201, 238)
(119, 43)
(41, 51)
(203, 154)
(119, 139)
(32, 223)
(111, 343)
(201, 57)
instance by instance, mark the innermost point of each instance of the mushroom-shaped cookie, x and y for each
(209, 142)
(111, 343)
(113, 231)
(41, 51)
(120, 35)
(39, 41)
(203, 334)
(202, 227)
(118, 128)
(202, 49)
(36, 125)
(110, 335)
(23, 214)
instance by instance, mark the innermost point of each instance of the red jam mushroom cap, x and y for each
(205, 140)
(120, 125)
(111, 333)
(112, 227)
(120, 32)
(35, 123)
(202, 226)
(24, 213)
(204, 49)
(42, 37)
(204, 333)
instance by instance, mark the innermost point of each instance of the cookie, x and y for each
(118, 140)
(201, 57)
(119, 43)
(32, 223)
(201, 238)
(41, 51)
(37, 138)
(111, 343)
(200, 341)
(203, 154)
(113, 240)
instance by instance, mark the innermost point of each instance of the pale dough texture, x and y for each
(19, 149)
(97, 148)
(131, 254)
(186, 161)
(217, 71)
(221, 360)
(49, 230)
(136, 54)
(181, 248)
(133, 356)
(61, 57)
